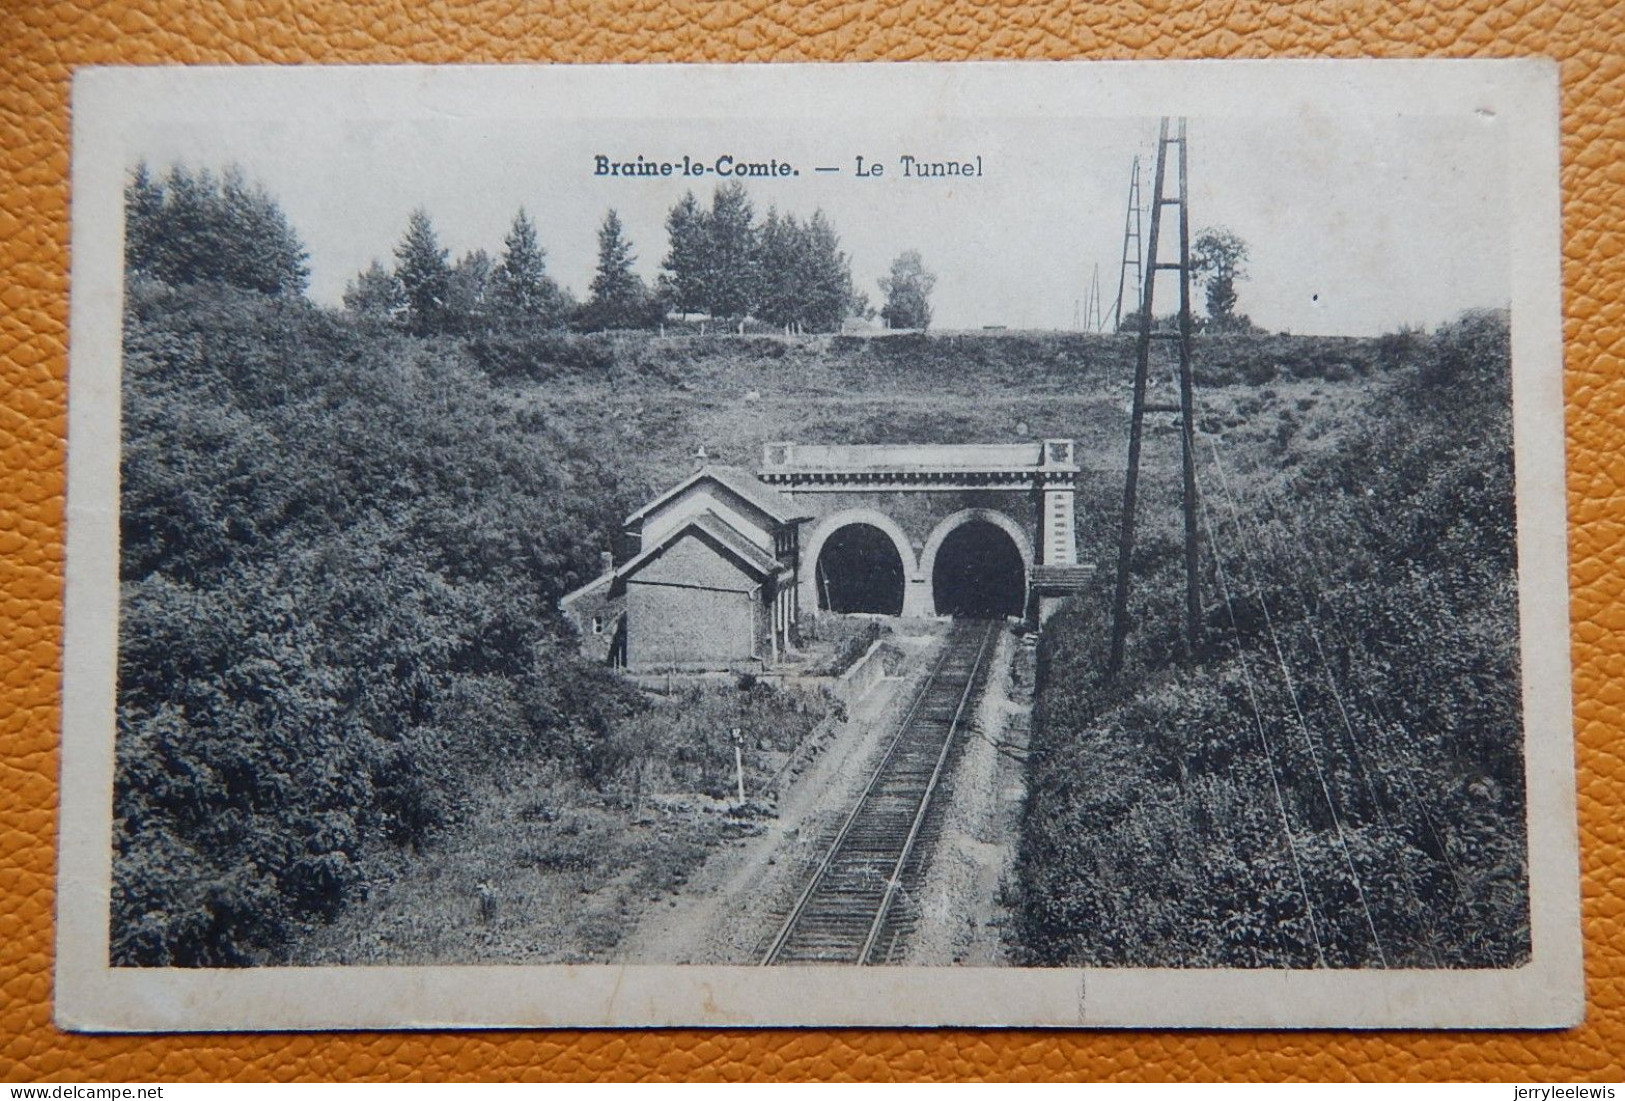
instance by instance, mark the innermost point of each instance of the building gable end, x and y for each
(745, 565)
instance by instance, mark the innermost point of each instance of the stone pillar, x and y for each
(1060, 538)
(917, 599)
(1058, 541)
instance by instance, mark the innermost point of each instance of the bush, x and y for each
(540, 355)
(340, 561)
(848, 649)
(685, 745)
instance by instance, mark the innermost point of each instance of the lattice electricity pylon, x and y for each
(1185, 408)
(1131, 247)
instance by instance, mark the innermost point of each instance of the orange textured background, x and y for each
(40, 44)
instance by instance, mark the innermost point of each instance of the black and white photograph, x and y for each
(995, 544)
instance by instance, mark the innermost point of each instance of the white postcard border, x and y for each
(91, 995)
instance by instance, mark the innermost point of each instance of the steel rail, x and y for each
(846, 827)
(896, 879)
(911, 730)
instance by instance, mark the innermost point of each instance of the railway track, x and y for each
(849, 910)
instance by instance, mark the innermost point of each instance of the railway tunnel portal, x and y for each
(921, 530)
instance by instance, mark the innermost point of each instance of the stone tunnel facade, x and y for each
(918, 496)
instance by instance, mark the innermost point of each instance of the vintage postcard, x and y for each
(1052, 545)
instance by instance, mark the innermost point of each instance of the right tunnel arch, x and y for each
(977, 563)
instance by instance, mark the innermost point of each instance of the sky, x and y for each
(1356, 228)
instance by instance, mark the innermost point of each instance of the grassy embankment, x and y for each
(1336, 778)
(542, 869)
(651, 402)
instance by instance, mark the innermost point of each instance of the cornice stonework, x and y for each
(918, 467)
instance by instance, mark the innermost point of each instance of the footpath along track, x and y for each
(848, 912)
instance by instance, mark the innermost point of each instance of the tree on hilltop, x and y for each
(618, 298)
(830, 296)
(804, 279)
(143, 219)
(424, 273)
(521, 290)
(780, 270)
(907, 288)
(261, 251)
(1218, 259)
(731, 253)
(468, 293)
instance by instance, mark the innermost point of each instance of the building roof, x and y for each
(743, 484)
(598, 582)
(721, 534)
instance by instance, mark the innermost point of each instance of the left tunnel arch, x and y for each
(859, 570)
(830, 530)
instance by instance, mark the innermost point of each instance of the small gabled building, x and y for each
(599, 616)
(711, 581)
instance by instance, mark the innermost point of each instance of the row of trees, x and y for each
(430, 294)
(907, 288)
(1336, 777)
(722, 261)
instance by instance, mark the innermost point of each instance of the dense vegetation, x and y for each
(1337, 776)
(907, 288)
(340, 557)
(197, 227)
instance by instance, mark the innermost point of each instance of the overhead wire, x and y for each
(1292, 692)
(1263, 734)
(1336, 623)
(1312, 615)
